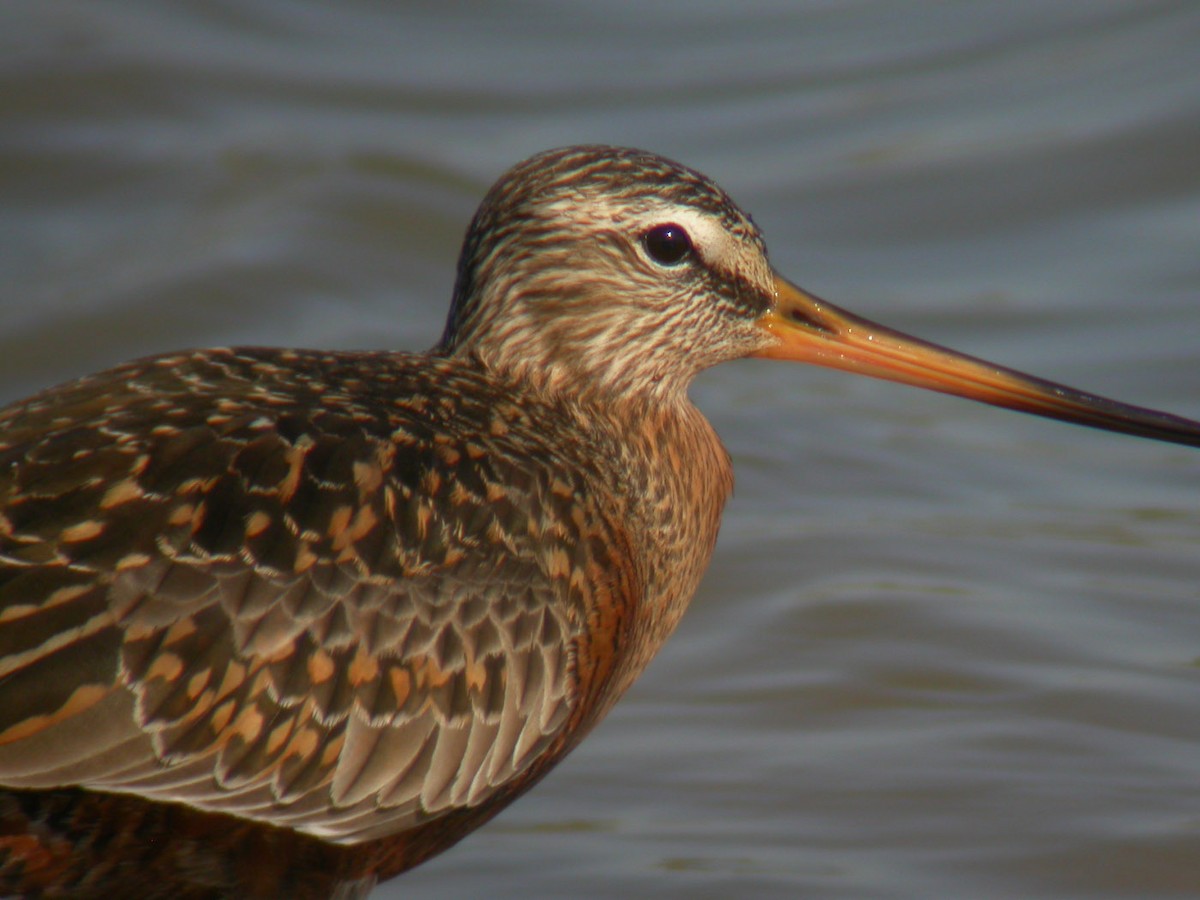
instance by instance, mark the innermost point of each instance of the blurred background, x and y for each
(942, 650)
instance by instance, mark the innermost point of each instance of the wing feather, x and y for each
(310, 616)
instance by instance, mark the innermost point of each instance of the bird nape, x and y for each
(287, 622)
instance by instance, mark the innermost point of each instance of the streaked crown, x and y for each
(603, 268)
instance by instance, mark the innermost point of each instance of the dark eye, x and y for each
(668, 245)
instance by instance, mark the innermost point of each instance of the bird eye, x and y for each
(668, 245)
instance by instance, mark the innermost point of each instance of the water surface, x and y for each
(942, 650)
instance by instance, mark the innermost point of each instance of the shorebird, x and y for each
(285, 623)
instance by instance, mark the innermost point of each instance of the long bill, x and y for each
(808, 329)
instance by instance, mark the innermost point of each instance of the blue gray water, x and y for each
(942, 650)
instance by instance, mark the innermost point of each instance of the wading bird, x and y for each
(285, 623)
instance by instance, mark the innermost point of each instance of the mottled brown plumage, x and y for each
(343, 594)
(283, 623)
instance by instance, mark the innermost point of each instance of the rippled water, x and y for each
(942, 650)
